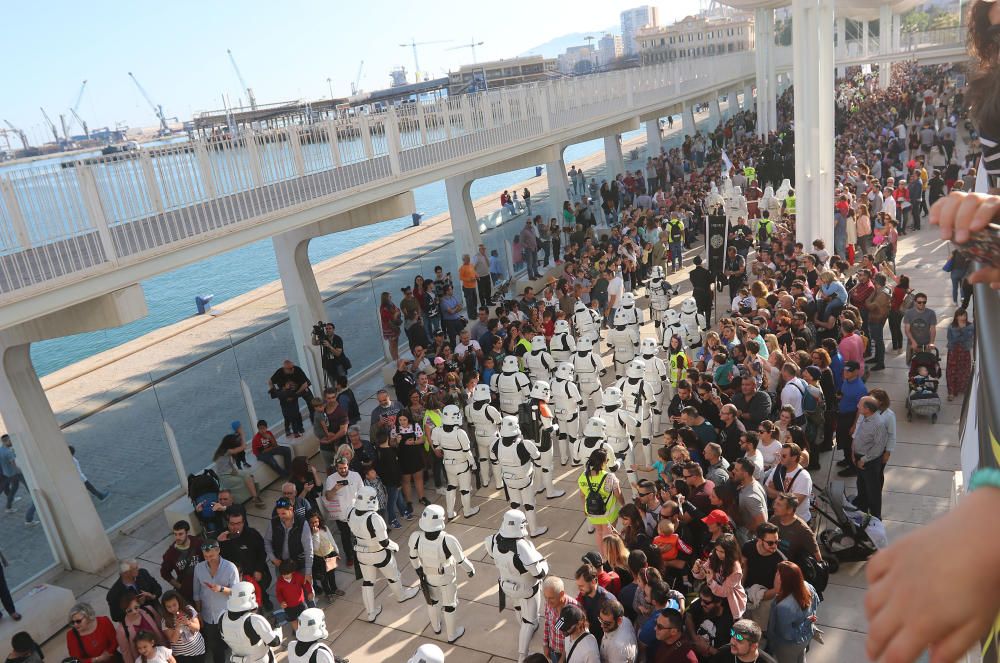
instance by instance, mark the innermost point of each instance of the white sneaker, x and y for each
(559, 493)
(538, 532)
(372, 616)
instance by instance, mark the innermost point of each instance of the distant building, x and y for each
(397, 77)
(501, 73)
(578, 60)
(694, 37)
(609, 48)
(632, 21)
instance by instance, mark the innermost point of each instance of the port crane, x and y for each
(157, 108)
(472, 44)
(52, 127)
(357, 80)
(76, 107)
(416, 62)
(250, 97)
(20, 134)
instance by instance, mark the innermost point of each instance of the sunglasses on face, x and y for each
(77, 622)
(740, 637)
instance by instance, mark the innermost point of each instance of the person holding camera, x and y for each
(338, 498)
(335, 361)
(291, 383)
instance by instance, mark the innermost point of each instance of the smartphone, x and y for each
(342, 483)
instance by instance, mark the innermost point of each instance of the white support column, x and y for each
(772, 76)
(760, 67)
(804, 75)
(747, 97)
(689, 124)
(653, 140)
(558, 184)
(714, 111)
(897, 28)
(613, 155)
(464, 225)
(884, 43)
(821, 210)
(302, 297)
(864, 38)
(841, 25)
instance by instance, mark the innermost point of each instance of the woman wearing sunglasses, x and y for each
(91, 639)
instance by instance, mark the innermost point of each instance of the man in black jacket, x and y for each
(244, 546)
(289, 537)
(754, 405)
(701, 281)
(132, 579)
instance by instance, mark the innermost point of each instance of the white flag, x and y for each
(726, 161)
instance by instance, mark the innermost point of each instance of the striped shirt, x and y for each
(551, 637)
(188, 642)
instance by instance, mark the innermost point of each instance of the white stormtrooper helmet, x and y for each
(312, 625)
(738, 190)
(509, 426)
(579, 307)
(562, 326)
(514, 525)
(689, 306)
(769, 192)
(671, 317)
(584, 344)
(612, 396)
(714, 188)
(648, 347)
(481, 393)
(366, 499)
(595, 427)
(427, 654)
(432, 518)
(538, 344)
(451, 415)
(656, 274)
(541, 390)
(621, 319)
(509, 365)
(564, 371)
(243, 598)
(636, 368)
(628, 301)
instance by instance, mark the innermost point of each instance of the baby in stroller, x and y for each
(922, 382)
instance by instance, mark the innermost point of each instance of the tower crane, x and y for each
(157, 108)
(472, 44)
(52, 127)
(250, 97)
(20, 134)
(357, 79)
(413, 44)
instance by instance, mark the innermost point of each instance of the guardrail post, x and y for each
(253, 158)
(629, 87)
(542, 99)
(444, 115)
(205, 169)
(466, 101)
(295, 145)
(422, 123)
(393, 144)
(248, 399)
(95, 210)
(489, 100)
(366, 135)
(175, 454)
(152, 186)
(14, 213)
(331, 134)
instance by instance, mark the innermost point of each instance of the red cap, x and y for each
(716, 517)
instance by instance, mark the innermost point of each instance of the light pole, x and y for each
(330, 84)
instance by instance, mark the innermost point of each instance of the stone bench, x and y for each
(44, 610)
(182, 509)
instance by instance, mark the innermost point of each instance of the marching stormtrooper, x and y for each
(588, 365)
(660, 293)
(567, 405)
(543, 430)
(485, 420)
(737, 207)
(587, 322)
(623, 338)
(516, 460)
(375, 551)
(563, 345)
(727, 188)
(693, 322)
(671, 325)
(427, 653)
(782, 192)
(435, 556)
(247, 633)
(451, 440)
(633, 315)
(511, 386)
(621, 428)
(655, 375)
(539, 363)
(308, 645)
(595, 434)
(714, 199)
(522, 569)
(637, 398)
(772, 204)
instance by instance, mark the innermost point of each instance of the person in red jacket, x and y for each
(179, 560)
(91, 639)
(292, 591)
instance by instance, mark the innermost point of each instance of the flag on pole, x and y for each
(726, 161)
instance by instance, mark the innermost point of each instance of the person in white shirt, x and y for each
(618, 644)
(616, 288)
(579, 644)
(339, 491)
(791, 393)
(466, 344)
(788, 476)
(768, 444)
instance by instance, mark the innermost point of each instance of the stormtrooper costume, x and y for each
(782, 192)
(693, 322)
(248, 634)
(589, 369)
(308, 645)
(637, 398)
(621, 430)
(485, 420)
(522, 569)
(655, 375)
(563, 345)
(459, 463)
(375, 551)
(727, 188)
(567, 404)
(714, 199)
(660, 293)
(511, 386)
(435, 556)
(587, 322)
(671, 325)
(624, 341)
(539, 363)
(737, 207)
(516, 460)
(595, 434)
(427, 654)
(772, 204)
(542, 432)
(633, 316)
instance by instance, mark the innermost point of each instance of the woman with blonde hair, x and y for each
(771, 343)
(615, 554)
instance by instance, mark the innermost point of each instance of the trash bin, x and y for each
(203, 303)
(538, 171)
(416, 216)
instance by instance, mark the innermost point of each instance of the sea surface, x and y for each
(170, 296)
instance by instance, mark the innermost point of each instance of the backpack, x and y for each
(202, 484)
(596, 505)
(809, 401)
(816, 572)
(676, 234)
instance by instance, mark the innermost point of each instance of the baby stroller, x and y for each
(848, 540)
(925, 374)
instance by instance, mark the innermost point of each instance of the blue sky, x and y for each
(285, 50)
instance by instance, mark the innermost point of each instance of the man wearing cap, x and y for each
(214, 579)
(556, 598)
(609, 580)
(618, 644)
(289, 537)
(744, 645)
(581, 645)
(591, 597)
(671, 645)
(852, 390)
